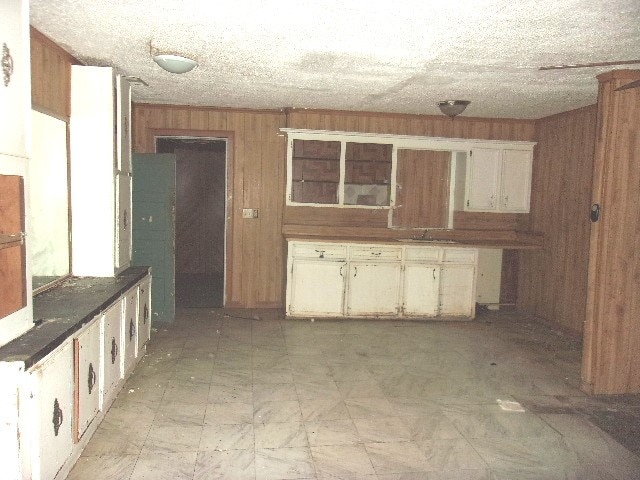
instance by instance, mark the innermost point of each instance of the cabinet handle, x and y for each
(114, 350)
(355, 271)
(341, 267)
(145, 314)
(92, 378)
(132, 329)
(376, 254)
(434, 273)
(58, 417)
(7, 64)
(125, 220)
(321, 252)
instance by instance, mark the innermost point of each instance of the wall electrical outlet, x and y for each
(249, 213)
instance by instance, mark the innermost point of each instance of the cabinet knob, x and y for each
(58, 417)
(114, 350)
(91, 381)
(7, 64)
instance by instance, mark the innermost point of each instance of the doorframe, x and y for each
(228, 136)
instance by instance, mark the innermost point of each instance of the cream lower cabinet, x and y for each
(144, 313)
(50, 398)
(130, 330)
(380, 280)
(112, 347)
(88, 376)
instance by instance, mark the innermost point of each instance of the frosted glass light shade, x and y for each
(175, 63)
(453, 107)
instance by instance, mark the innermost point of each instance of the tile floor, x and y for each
(249, 395)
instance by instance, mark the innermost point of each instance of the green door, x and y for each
(154, 198)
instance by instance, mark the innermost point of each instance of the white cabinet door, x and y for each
(144, 313)
(515, 181)
(130, 330)
(123, 221)
(15, 85)
(421, 288)
(88, 375)
(482, 179)
(111, 348)
(123, 125)
(316, 287)
(55, 409)
(457, 290)
(373, 288)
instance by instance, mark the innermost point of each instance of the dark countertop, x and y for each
(63, 310)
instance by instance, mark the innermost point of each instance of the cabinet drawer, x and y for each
(375, 252)
(430, 254)
(459, 255)
(319, 250)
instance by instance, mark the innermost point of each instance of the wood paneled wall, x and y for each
(50, 77)
(553, 281)
(255, 255)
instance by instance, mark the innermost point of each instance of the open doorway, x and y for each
(199, 219)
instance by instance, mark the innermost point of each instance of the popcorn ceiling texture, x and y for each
(401, 56)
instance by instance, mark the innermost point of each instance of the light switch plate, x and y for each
(249, 213)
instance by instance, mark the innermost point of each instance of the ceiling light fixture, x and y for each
(175, 63)
(453, 107)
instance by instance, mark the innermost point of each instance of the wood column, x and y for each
(611, 349)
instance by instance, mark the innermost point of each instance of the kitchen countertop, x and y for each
(502, 239)
(64, 309)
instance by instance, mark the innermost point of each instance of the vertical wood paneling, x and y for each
(255, 261)
(50, 76)
(611, 353)
(552, 282)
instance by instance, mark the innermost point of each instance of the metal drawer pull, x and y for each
(145, 314)
(92, 378)
(125, 221)
(114, 350)
(376, 254)
(321, 252)
(58, 417)
(132, 329)
(7, 64)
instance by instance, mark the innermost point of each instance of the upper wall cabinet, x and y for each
(15, 84)
(100, 171)
(339, 172)
(496, 180)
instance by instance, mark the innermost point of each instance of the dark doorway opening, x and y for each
(199, 219)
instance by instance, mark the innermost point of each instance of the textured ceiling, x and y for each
(385, 56)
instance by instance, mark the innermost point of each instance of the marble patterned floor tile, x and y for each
(232, 376)
(401, 457)
(277, 412)
(231, 464)
(168, 466)
(491, 421)
(359, 389)
(284, 464)
(332, 432)
(227, 437)
(316, 390)
(430, 427)
(238, 393)
(228, 413)
(280, 435)
(272, 375)
(382, 429)
(447, 455)
(315, 410)
(369, 407)
(169, 437)
(181, 413)
(116, 438)
(105, 467)
(186, 392)
(342, 461)
(265, 392)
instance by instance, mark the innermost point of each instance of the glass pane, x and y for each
(367, 174)
(316, 171)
